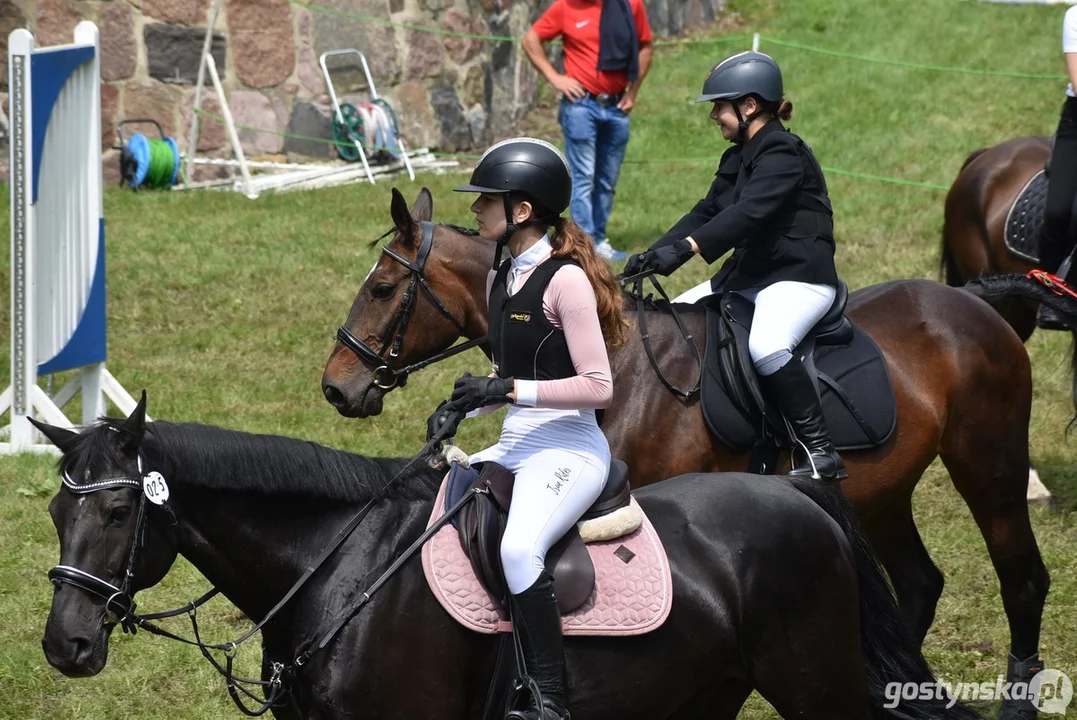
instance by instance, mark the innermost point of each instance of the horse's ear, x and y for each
(134, 427)
(423, 209)
(405, 224)
(58, 436)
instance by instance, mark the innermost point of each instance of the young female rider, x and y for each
(1055, 245)
(768, 201)
(555, 307)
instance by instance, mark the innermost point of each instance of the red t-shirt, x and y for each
(577, 22)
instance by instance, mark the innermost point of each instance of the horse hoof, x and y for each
(1037, 493)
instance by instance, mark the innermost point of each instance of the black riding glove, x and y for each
(471, 393)
(444, 422)
(666, 259)
(635, 264)
(662, 260)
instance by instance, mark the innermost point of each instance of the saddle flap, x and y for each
(734, 359)
(573, 571)
(481, 525)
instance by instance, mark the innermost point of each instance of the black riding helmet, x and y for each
(527, 166)
(740, 75)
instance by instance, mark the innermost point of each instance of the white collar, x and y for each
(532, 256)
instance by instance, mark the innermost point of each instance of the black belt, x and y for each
(605, 99)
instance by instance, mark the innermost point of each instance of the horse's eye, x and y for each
(119, 515)
(383, 291)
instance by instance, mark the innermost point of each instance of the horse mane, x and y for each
(636, 301)
(219, 459)
(470, 232)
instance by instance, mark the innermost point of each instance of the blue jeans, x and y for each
(596, 138)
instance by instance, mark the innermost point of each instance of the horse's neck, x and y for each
(245, 544)
(478, 257)
(253, 548)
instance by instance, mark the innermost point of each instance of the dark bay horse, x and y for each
(974, 222)
(973, 233)
(961, 377)
(774, 589)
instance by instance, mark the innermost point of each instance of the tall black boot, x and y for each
(1047, 318)
(537, 620)
(792, 390)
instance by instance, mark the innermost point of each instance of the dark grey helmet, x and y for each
(526, 165)
(746, 73)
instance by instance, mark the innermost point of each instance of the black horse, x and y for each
(774, 589)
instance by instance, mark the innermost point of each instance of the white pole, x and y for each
(231, 126)
(23, 342)
(755, 43)
(192, 137)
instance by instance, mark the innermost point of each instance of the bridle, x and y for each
(120, 603)
(387, 373)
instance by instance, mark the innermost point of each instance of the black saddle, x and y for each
(848, 369)
(1024, 220)
(482, 523)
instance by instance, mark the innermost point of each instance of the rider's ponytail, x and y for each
(569, 240)
(783, 110)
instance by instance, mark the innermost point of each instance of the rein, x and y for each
(119, 601)
(636, 282)
(386, 374)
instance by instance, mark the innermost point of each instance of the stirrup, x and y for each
(840, 472)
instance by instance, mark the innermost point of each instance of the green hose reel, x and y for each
(348, 133)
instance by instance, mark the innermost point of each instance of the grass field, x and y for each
(224, 309)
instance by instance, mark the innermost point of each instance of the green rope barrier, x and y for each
(911, 65)
(670, 161)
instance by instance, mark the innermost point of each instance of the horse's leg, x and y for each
(916, 580)
(808, 664)
(987, 455)
(985, 449)
(715, 702)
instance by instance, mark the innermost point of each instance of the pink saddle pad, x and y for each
(633, 585)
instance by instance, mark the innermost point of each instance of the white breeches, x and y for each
(560, 471)
(785, 312)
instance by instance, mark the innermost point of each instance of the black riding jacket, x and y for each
(769, 202)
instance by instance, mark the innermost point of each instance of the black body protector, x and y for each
(746, 73)
(524, 344)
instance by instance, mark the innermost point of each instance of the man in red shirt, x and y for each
(608, 49)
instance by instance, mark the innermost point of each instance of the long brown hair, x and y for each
(569, 240)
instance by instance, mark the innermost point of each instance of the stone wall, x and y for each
(450, 93)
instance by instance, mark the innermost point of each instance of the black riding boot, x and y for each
(1047, 318)
(792, 390)
(538, 621)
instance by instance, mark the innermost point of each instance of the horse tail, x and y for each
(891, 654)
(947, 262)
(991, 287)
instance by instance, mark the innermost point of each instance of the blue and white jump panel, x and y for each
(57, 234)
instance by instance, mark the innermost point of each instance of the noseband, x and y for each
(387, 374)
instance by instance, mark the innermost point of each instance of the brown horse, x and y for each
(961, 378)
(973, 243)
(975, 220)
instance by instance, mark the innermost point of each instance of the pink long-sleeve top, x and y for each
(569, 304)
